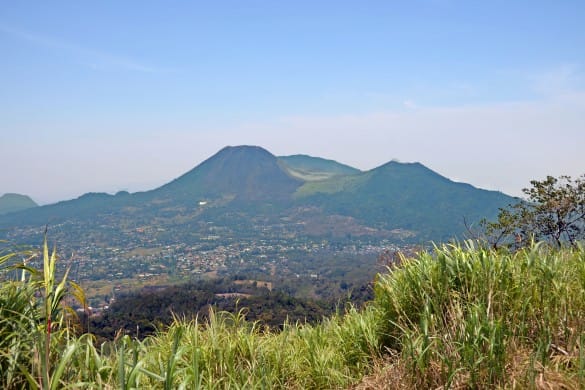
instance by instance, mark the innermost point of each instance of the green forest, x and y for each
(140, 313)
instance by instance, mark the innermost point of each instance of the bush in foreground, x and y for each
(476, 318)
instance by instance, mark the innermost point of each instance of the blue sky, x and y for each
(110, 95)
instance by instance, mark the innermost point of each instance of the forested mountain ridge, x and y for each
(406, 196)
(243, 172)
(251, 182)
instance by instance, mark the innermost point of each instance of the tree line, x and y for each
(142, 313)
(553, 212)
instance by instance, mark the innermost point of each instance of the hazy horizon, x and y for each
(110, 96)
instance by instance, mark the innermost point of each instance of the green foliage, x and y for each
(403, 196)
(31, 315)
(18, 317)
(466, 315)
(139, 313)
(554, 212)
(229, 352)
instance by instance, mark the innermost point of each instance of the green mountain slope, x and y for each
(10, 203)
(310, 168)
(246, 173)
(408, 197)
(241, 176)
(239, 184)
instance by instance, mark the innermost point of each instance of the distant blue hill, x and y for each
(10, 203)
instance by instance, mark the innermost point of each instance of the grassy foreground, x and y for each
(474, 318)
(460, 317)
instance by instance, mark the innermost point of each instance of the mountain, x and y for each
(86, 206)
(242, 185)
(405, 196)
(238, 175)
(10, 203)
(244, 173)
(310, 168)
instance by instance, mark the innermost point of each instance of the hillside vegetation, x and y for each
(456, 317)
(406, 196)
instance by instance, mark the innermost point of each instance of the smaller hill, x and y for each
(10, 203)
(405, 196)
(310, 168)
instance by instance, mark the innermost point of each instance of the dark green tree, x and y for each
(554, 211)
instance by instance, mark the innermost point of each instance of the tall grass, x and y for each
(18, 315)
(229, 352)
(32, 327)
(475, 317)
(17, 320)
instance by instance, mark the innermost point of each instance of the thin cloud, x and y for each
(410, 104)
(562, 79)
(94, 59)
